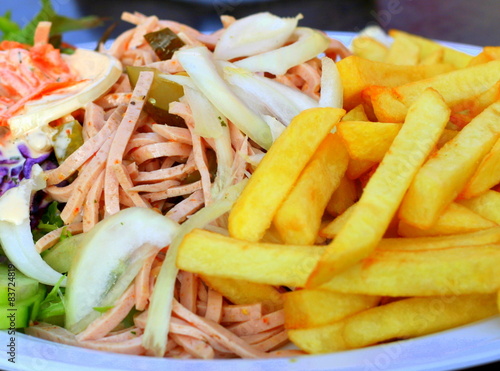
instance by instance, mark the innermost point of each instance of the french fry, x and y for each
(482, 237)
(486, 176)
(356, 114)
(455, 219)
(445, 174)
(367, 140)
(344, 197)
(298, 219)
(403, 51)
(212, 254)
(244, 292)
(489, 53)
(369, 48)
(397, 320)
(397, 273)
(357, 74)
(465, 111)
(428, 47)
(391, 105)
(385, 190)
(370, 141)
(278, 171)
(333, 228)
(487, 205)
(357, 168)
(311, 308)
(434, 57)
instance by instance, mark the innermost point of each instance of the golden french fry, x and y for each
(356, 114)
(278, 171)
(369, 48)
(451, 271)
(400, 319)
(434, 57)
(344, 197)
(486, 205)
(357, 168)
(216, 255)
(333, 228)
(486, 176)
(404, 52)
(357, 74)
(465, 111)
(445, 174)
(311, 308)
(371, 140)
(428, 47)
(298, 219)
(391, 104)
(367, 140)
(244, 292)
(489, 53)
(455, 219)
(482, 237)
(385, 190)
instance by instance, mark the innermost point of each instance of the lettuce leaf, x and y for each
(60, 24)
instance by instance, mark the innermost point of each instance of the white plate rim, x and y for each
(466, 346)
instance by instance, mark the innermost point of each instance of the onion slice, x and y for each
(15, 231)
(109, 258)
(199, 64)
(331, 94)
(255, 34)
(160, 307)
(309, 43)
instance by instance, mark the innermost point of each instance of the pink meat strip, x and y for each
(51, 238)
(84, 182)
(195, 347)
(155, 187)
(142, 291)
(222, 335)
(142, 139)
(189, 289)
(274, 342)
(109, 320)
(126, 184)
(269, 321)
(93, 121)
(60, 194)
(173, 133)
(89, 148)
(214, 306)
(262, 336)
(113, 100)
(92, 203)
(122, 136)
(176, 191)
(186, 207)
(200, 158)
(157, 150)
(60, 335)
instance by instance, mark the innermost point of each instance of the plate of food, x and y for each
(266, 196)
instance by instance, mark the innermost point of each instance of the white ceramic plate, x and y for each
(463, 347)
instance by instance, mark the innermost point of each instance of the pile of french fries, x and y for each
(382, 218)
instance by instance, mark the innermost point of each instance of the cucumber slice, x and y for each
(19, 314)
(60, 256)
(109, 258)
(15, 285)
